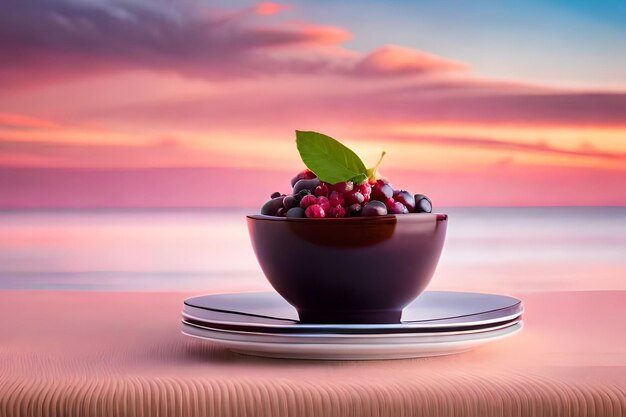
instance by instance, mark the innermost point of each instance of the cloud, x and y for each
(23, 122)
(268, 8)
(584, 150)
(396, 60)
(55, 40)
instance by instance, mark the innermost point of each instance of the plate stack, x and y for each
(436, 323)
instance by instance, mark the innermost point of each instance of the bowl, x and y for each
(349, 270)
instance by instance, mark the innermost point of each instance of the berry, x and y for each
(397, 208)
(307, 174)
(423, 204)
(355, 209)
(336, 212)
(296, 212)
(354, 197)
(306, 184)
(271, 207)
(275, 194)
(322, 190)
(343, 187)
(405, 198)
(315, 211)
(307, 200)
(364, 188)
(323, 202)
(336, 199)
(374, 208)
(289, 202)
(281, 212)
(381, 191)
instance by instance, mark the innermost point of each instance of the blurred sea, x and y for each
(487, 249)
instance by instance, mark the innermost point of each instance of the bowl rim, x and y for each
(388, 218)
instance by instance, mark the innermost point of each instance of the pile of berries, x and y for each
(316, 199)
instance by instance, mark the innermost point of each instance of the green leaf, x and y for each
(331, 161)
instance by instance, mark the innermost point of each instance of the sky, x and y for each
(194, 104)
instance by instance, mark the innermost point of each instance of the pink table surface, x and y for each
(122, 354)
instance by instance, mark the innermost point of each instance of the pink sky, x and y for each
(132, 104)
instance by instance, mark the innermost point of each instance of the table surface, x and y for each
(122, 354)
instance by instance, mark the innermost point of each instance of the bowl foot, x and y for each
(350, 317)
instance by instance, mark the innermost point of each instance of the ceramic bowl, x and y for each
(349, 270)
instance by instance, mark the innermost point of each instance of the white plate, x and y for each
(351, 347)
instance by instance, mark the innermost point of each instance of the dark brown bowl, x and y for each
(350, 270)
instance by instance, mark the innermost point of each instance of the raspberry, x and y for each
(323, 202)
(307, 200)
(336, 199)
(343, 187)
(336, 212)
(315, 211)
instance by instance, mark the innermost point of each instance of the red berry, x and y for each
(354, 197)
(381, 191)
(389, 203)
(306, 174)
(364, 188)
(343, 187)
(397, 208)
(322, 190)
(405, 198)
(336, 212)
(314, 211)
(323, 202)
(307, 200)
(336, 199)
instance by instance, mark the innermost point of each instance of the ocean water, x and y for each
(510, 250)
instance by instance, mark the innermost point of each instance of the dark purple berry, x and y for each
(355, 209)
(423, 204)
(281, 212)
(307, 200)
(275, 194)
(306, 174)
(381, 191)
(374, 208)
(310, 185)
(315, 211)
(405, 198)
(289, 202)
(295, 212)
(271, 207)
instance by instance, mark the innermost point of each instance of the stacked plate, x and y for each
(437, 323)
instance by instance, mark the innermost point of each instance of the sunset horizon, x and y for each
(203, 89)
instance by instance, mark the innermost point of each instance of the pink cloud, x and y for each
(56, 40)
(269, 8)
(396, 60)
